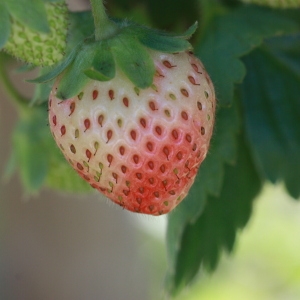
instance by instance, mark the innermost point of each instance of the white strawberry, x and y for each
(139, 147)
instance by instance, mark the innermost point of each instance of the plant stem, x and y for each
(20, 102)
(104, 27)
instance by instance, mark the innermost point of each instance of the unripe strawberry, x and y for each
(140, 147)
(36, 47)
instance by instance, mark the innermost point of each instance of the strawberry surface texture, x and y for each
(141, 148)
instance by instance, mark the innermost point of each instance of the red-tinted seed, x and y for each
(139, 200)
(133, 134)
(199, 105)
(151, 180)
(126, 192)
(136, 158)
(141, 190)
(168, 64)
(150, 146)
(192, 80)
(115, 176)
(152, 105)
(109, 159)
(126, 101)
(188, 138)
(87, 178)
(87, 124)
(162, 168)
(100, 120)
(175, 134)
(151, 165)
(139, 176)
(151, 207)
(88, 154)
(63, 130)
(184, 115)
(109, 135)
(111, 94)
(195, 67)
(172, 192)
(143, 122)
(158, 130)
(73, 149)
(184, 92)
(54, 120)
(202, 130)
(156, 194)
(166, 151)
(194, 147)
(123, 169)
(95, 94)
(50, 102)
(122, 150)
(79, 166)
(179, 155)
(72, 108)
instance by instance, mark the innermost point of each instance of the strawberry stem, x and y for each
(20, 102)
(104, 27)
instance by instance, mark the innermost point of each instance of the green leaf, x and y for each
(74, 79)
(31, 142)
(190, 31)
(103, 65)
(208, 182)
(230, 36)
(272, 110)
(4, 25)
(42, 91)
(31, 13)
(216, 228)
(134, 60)
(163, 41)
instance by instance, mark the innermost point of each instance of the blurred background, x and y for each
(75, 247)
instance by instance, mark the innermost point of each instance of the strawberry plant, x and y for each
(175, 107)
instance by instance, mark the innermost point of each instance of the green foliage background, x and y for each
(252, 54)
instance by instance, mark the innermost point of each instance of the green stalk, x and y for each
(104, 27)
(20, 102)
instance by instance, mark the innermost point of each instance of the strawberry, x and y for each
(132, 110)
(39, 39)
(141, 148)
